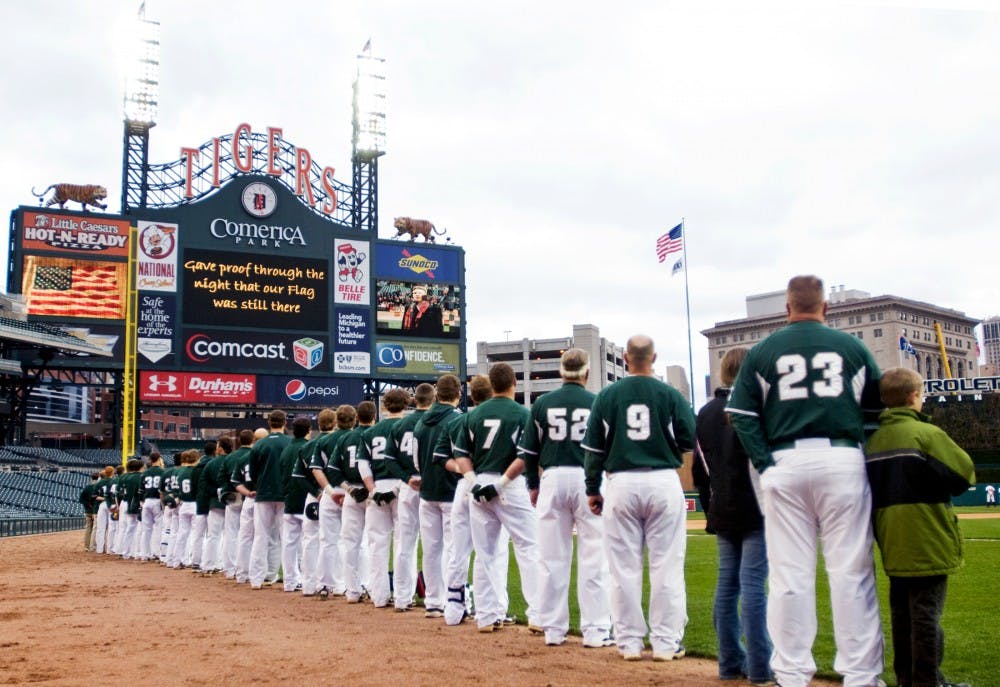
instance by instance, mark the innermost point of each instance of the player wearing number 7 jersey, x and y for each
(798, 407)
(637, 432)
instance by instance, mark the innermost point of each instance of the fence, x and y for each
(14, 527)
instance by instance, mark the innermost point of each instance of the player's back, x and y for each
(493, 430)
(558, 425)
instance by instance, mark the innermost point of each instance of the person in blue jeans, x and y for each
(735, 517)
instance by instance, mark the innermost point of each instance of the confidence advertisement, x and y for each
(416, 358)
(265, 291)
(157, 264)
(353, 283)
(416, 263)
(155, 327)
(95, 236)
(314, 392)
(197, 387)
(234, 350)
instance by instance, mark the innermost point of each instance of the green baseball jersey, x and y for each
(300, 469)
(115, 488)
(203, 496)
(350, 451)
(237, 465)
(265, 466)
(128, 492)
(401, 447)
(806, 380)
(324, 450)
(436, 483)
(558, 423)
(152, 479)
(213, 478)
(102, 491)
(636, 423)
(168, 483)
(87, 498)
(493, 429)
(295, 489)
(186, 486)
(382, 449)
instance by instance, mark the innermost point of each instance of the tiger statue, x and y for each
(91, 194)
(415, 228)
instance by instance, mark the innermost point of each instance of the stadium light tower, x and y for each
(368, 137)
(142, 90)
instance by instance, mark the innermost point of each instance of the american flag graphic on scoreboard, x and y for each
(68, 288)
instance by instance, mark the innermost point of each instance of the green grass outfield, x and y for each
(969, 619)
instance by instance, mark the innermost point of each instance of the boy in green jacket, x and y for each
(914, 469)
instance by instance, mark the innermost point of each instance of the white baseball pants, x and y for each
(352, 529)
(435, 538)
(115, 534)
(381, 522)
(129, 523)
(265, 554)
(171, 519)
(331, 567)
(562, 503)
(309, 562)
(149, 534)
(404, 547)
(185, 521)
(822, 492)
(211, 549)
(230, 538)
(646, 507)
(291, 542)
(197, 539)
(245, 540)
(511, 510)
(101, 539)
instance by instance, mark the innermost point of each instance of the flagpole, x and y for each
(687, 304)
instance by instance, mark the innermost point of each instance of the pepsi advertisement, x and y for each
(314, 392)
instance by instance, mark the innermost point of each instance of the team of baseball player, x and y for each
(330, 510)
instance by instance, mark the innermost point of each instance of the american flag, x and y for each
(68, 288)
(671, 242)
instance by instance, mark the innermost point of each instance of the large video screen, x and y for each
(64, 287)
(418, 309)
(258, 291)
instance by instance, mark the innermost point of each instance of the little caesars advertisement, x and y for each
(412, 358)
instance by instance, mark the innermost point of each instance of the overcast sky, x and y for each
(556, 140)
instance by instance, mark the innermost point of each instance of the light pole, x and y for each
(368, 137)
(142, 91)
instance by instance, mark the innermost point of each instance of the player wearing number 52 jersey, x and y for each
(637, 431)
(552, 442)
(798, 407)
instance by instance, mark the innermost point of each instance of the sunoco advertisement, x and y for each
(413, 263)
(412, 358)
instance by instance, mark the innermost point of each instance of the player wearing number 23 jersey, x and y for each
(636, 434)
(798, 408)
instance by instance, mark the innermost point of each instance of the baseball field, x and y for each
(68, 618)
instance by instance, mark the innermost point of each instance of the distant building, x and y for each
(878, 321)
(536, 361)
(677, 377)
(991, 342)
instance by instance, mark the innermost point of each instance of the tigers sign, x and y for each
(98, 236)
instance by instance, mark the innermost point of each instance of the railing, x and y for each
(15, 527)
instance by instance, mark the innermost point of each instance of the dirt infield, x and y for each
(64, 622)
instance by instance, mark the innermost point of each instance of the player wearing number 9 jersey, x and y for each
(798, 407)
(552, 441)
(636, 434)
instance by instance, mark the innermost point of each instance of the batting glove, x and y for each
(359, 494)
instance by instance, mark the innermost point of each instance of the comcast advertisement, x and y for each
(413, 358)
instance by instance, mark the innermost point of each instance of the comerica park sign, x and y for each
(975, 385)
